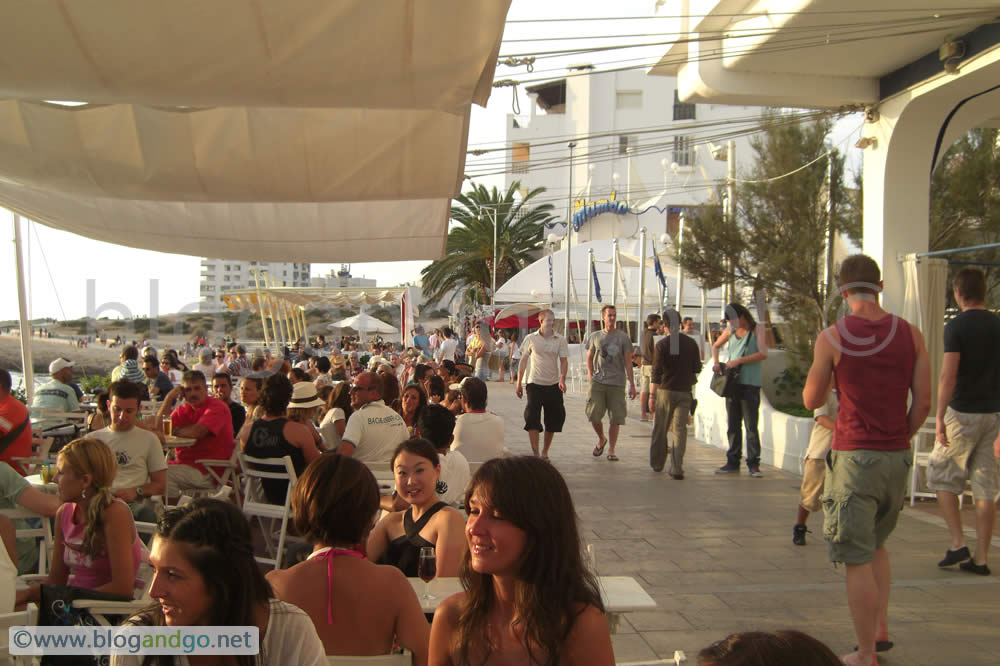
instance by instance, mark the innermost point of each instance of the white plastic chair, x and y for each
(255, 504)
(40, 455)
(28, 618)
(378, 660)
(230, 476)
(46, 545)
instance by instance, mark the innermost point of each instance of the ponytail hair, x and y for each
(94, 457)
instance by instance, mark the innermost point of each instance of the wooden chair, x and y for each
(255, 504)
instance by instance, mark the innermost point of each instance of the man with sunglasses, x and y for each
(374, 430)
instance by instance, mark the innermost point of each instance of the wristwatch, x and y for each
(138, 491)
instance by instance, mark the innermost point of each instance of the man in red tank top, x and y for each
(877, 361)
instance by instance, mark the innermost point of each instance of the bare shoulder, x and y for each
(589, 639)
(117, 513)
(450, 608)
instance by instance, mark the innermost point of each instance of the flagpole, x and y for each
(640, 321)
(680, 268)
(590, 289)
(569, 238)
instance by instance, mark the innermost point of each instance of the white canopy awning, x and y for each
(313, 297)
(431, 54)
(306, 130)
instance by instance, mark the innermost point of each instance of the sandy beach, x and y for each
(92, 360)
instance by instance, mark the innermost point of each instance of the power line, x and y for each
(852, 12)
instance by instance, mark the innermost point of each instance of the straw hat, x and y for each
(338, 361)
(304, 396)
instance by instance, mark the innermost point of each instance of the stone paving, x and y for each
(716, 554)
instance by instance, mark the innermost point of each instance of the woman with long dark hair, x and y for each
(334, 421)
(357, 607)
(412, 403)
(747, 347)
(206, 575)
(529, 597)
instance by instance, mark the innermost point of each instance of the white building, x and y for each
(222, 275)
(646, 149)
(341, 279)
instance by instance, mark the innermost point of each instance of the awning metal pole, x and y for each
(972, 248)
(260, 308)
(27, 367)
(590, 291)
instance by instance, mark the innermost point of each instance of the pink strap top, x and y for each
(329, 553)
(86, 571)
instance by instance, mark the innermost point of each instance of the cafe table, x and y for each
(173, 442)
(619, 593)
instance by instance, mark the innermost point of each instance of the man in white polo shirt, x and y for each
(543, 366)
(57, 393)
(374, 430)
(142, 467)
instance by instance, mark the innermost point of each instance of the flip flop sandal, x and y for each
(599, 450)
(612, 457)
(880, 646)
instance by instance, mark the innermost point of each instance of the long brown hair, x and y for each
(554, 584)
(93, 457)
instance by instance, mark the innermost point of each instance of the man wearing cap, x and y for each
(222, 388)
(57, 393)
(203, 418)
(373, 431)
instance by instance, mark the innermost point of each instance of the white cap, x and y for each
(59, 364)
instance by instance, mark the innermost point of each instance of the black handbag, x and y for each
(726, 383)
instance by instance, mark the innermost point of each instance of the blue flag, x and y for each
(658, 269)
(597, 285)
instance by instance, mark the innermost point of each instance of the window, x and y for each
(628, 99)
(683, 151)
(520, 157)
(226, 278)
(626, 141)
(682, 111)
(228, 267)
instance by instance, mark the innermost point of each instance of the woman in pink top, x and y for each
(96, 545)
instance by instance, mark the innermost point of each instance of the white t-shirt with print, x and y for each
(375, 430)
(138, 453)
(455, 475)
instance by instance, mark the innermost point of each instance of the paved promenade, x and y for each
(716, 553)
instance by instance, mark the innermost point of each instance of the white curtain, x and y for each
(923, 306)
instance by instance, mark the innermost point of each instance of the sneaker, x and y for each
(799, 535)
(955, 556)
(972, 567)
(728, 469)
(756, 473)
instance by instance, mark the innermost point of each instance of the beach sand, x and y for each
(92, 360)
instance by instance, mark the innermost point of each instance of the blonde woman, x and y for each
(96, 545)
(304, 408)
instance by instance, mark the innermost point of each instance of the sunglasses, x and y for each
(355, 387)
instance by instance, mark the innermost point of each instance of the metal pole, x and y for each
(260, 307)
(614, 273)
(828, 250)
(569, 238)
(706, 328)
(590, 290)
(493, 293)
(731, 195)
(680, 269)
(27, 366)
(640, 320)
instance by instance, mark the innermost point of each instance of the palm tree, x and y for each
(468, 261)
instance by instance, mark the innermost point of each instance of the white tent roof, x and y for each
(532, 284)
(313, 297)
(305, 53)
(303, 129)
(364, 322)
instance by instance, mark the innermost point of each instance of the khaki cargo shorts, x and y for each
(968, 456)
(604, 398)
(862, 500)
(813, 476)
(645, 375)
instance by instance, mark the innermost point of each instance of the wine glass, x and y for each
(427, 569)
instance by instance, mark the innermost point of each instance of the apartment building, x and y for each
(221, 275)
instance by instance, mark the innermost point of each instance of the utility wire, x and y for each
(852, 12)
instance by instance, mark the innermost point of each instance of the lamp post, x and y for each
(569, 238)
(493, 293)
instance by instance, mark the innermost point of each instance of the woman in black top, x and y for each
(274, 436)
(398, 537)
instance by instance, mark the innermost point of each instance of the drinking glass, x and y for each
(167, 426)
(427, 569)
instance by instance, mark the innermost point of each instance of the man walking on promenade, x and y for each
(653, 327)
(609, 365)
(877, 361)
(968, 421)
(543, 366)
(676, 364)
